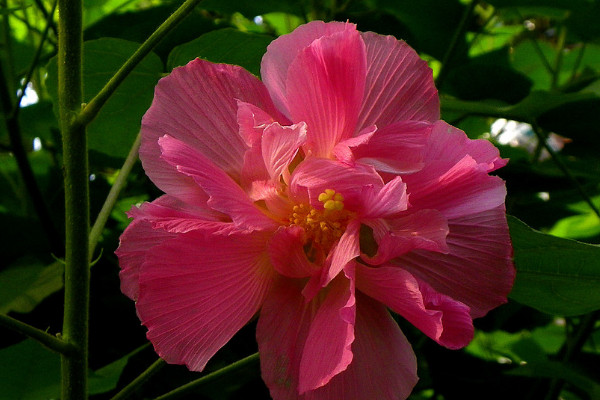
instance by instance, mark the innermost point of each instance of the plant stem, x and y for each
(51, 342)
(113, 195)
(182, 390)
(542, 138)
(571, 348)
(140, 380)
(94, 105)
(76, 181)
(458, 33)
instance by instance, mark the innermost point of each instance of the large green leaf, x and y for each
(554, 275)
(223, 46)
(113, 131)
(26, 283)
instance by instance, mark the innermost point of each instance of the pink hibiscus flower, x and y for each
(315, 199)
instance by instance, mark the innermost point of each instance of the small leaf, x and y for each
(554, 275)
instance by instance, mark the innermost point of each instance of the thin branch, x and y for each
(577, 62)
(51, 342)
(113, 195)
(563, 167)
(562, 35)
(458, 33)
(140, 380)
(94, 105)
(182, 390)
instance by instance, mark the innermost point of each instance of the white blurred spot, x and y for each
(37, 144)
(504, 360)
(30, 96)
(258, 20)
(92, 177)
(529, 25)
(544, 196)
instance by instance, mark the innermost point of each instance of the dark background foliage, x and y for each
(523, 74)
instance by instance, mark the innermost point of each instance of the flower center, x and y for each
(322, 227)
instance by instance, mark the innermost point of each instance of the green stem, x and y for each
(140, 380)
(76, 181)
(113, 195)
(563, 167)
(559, 57)
(182, 390)
(458, 33)
(51, 342)
(94, 105)
(571, 348)
(577, 63)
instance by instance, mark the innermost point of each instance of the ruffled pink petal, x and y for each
(280, 144)
(384, 366)
(398, 148)
(314, 175)
(135, 243)
(327, 347)
(325, 85)
(424, 229)
(346, 250)
(282, 52)
(443, 319)
(455, 189)
(384, 202)
(153, 224)
(399, 84)
(450, 144)
(197, 290)
(286, 249)
(478, 269)
(196, 104)
(225, 195)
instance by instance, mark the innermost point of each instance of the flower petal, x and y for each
(286, 249)
(282, 332)
(327, 347)
(399, 84)
(455, 189)
(280, 144)
(325, 85)
(282, 52)
(384, 366)
(398, 148)
(477, 270)
(153, 224)
(197, 290)
(424, 229)
(450, 144)
(386, 201)
(225, 195)
(314, 175)
(197, 105)
(443, 319)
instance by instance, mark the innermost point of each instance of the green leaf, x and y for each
(27, 282)
(554, 275)
(223, 46)
(558, 370)
(252, 8)
(31, 372)
(115, 128)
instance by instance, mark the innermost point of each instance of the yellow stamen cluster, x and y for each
(323, 227)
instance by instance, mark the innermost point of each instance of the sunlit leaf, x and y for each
(554, 275)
